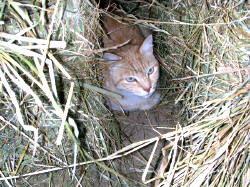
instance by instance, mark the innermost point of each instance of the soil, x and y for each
(141, 125)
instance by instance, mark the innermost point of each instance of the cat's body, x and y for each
(133, 71)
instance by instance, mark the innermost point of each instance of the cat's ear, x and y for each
(147, 46)
(109, 57)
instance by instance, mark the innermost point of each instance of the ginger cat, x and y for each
(133, 71)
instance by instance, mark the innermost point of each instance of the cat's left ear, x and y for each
(110, 57)
(147, 46)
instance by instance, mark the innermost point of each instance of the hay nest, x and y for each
(53, 120)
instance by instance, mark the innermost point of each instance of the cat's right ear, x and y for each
(110, 57)
(147, 46)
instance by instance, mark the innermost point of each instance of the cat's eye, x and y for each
(130, 79)
(151, 70)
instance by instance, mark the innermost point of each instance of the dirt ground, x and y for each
(140, 125)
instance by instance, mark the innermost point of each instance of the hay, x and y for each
(42, 84)
(49, 80)
(212, 148)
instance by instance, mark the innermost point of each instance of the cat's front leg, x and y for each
(112, 105)
(156, 98)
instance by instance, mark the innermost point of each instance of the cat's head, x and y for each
(134, 71)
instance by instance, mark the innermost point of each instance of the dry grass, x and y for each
(49, 72)
(45, 85)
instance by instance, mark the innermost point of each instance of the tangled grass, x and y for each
(49, 80)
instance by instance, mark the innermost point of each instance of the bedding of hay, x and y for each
(56, 130)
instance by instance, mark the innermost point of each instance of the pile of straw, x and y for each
(52, 114)
(212, 53)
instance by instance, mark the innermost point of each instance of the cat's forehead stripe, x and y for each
(138, 64)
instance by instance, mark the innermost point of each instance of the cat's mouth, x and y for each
(148, 94)
(141, 94)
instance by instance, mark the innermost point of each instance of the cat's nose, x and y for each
(147, 89)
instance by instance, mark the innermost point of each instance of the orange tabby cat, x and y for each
(133, 71)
